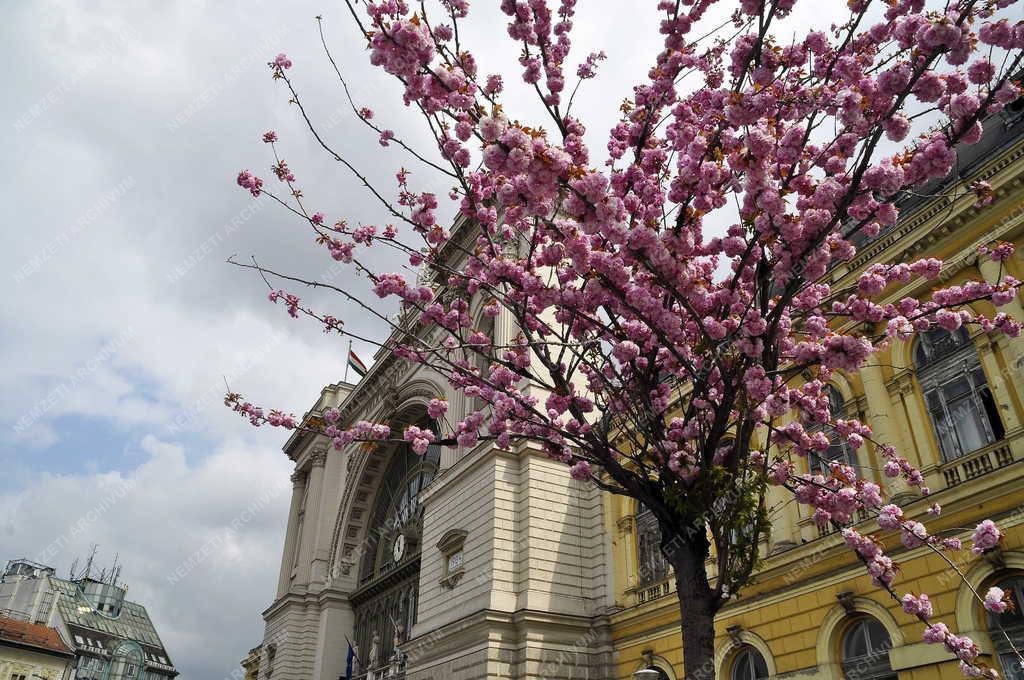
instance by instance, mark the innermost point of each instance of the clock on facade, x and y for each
(398, 549)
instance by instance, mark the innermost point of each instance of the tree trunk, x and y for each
(697, 608)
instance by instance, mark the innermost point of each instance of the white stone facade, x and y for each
(530, 595)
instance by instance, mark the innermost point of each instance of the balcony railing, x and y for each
(976, 464)
(653, 591)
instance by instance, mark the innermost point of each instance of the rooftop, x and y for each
(32, 635)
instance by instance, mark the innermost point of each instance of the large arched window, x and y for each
(838, 450)
(653, 565)
(385, 602)
(1007, 629)
(865, 648)
(956, 392)
(749, 665)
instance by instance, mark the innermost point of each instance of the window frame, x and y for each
(867, 667)
(1012, 582)
(647, 524)
(818, 463)
(751, 655)
(942, 359)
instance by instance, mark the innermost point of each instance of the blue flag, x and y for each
(348, 662)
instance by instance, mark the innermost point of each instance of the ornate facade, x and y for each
(953, 404)
(467, 563)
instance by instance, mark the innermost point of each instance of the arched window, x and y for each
(126, 662)
(1009, 624)
(838, 450)
(866, 646)
(653, 565)
(956, 392)
(749, 665)
(384, 605)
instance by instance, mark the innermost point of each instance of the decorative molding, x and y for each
(452, 540)
(724, 654)
(318, 458)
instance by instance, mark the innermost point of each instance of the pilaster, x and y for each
(311, 519)
(288, 553)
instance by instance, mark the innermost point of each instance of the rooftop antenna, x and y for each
(71, 571)
(88, 564)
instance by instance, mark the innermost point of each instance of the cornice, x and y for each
(962, 207)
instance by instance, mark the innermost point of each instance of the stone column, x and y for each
(1014, 347)
(337, 623)
(883, 424)
(318, 458)
(627, 534)
(879, 409)
(330, 496)
(997, 384)
(923, 431)
(288, 552)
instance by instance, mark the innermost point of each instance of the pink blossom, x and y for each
(917, 605)
(995, 600)
(580, 471)
(986, 536)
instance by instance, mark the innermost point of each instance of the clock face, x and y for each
(398, 549)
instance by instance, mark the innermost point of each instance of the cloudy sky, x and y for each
(124, 126)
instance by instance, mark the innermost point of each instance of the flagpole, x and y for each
(348, 360)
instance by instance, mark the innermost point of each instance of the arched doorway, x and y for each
(384, 603)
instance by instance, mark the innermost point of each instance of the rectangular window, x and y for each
(454, 562)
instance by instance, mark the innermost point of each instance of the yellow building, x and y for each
(953, 404)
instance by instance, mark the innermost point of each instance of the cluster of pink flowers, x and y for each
(280, 419)
(280, 63)
(879, 565)
(437, 408)
(247, 180)
(986, 537)
(614, 269)
(291, 301)
(419, 438)
(996, 600)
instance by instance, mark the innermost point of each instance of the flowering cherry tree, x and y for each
(673, 334)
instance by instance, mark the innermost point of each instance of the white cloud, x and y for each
(200, 542)
(167, 101)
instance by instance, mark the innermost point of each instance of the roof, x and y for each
(32, 635)
(133, 623)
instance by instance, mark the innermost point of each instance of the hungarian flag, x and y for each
(356, 364)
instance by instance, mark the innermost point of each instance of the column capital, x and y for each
(318, 458)
(298, 477)
(989, 268)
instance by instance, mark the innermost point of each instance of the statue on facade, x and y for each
(371, 660)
